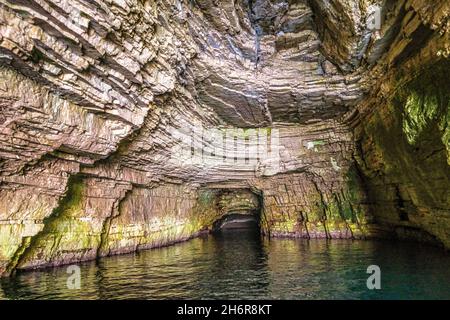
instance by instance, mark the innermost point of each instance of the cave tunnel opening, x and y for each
(237, 221)
(240, 211)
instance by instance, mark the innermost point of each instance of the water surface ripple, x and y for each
(242, 265)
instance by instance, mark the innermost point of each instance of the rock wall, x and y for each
(98, 218)
(408, 180)
(308, 206)
(95, 97)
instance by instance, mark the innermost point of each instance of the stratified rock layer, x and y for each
(97, 99)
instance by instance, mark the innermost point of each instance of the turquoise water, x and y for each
(242, 265)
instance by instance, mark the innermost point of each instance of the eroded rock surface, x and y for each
(97, 98)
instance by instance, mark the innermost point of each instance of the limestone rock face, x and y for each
(124, 124)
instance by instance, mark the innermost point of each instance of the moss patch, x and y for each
(63, 231)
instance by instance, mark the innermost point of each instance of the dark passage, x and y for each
(241, 209)
(237, 221)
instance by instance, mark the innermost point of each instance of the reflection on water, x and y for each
(236, 264)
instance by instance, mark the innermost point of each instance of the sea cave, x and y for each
(232, 149)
